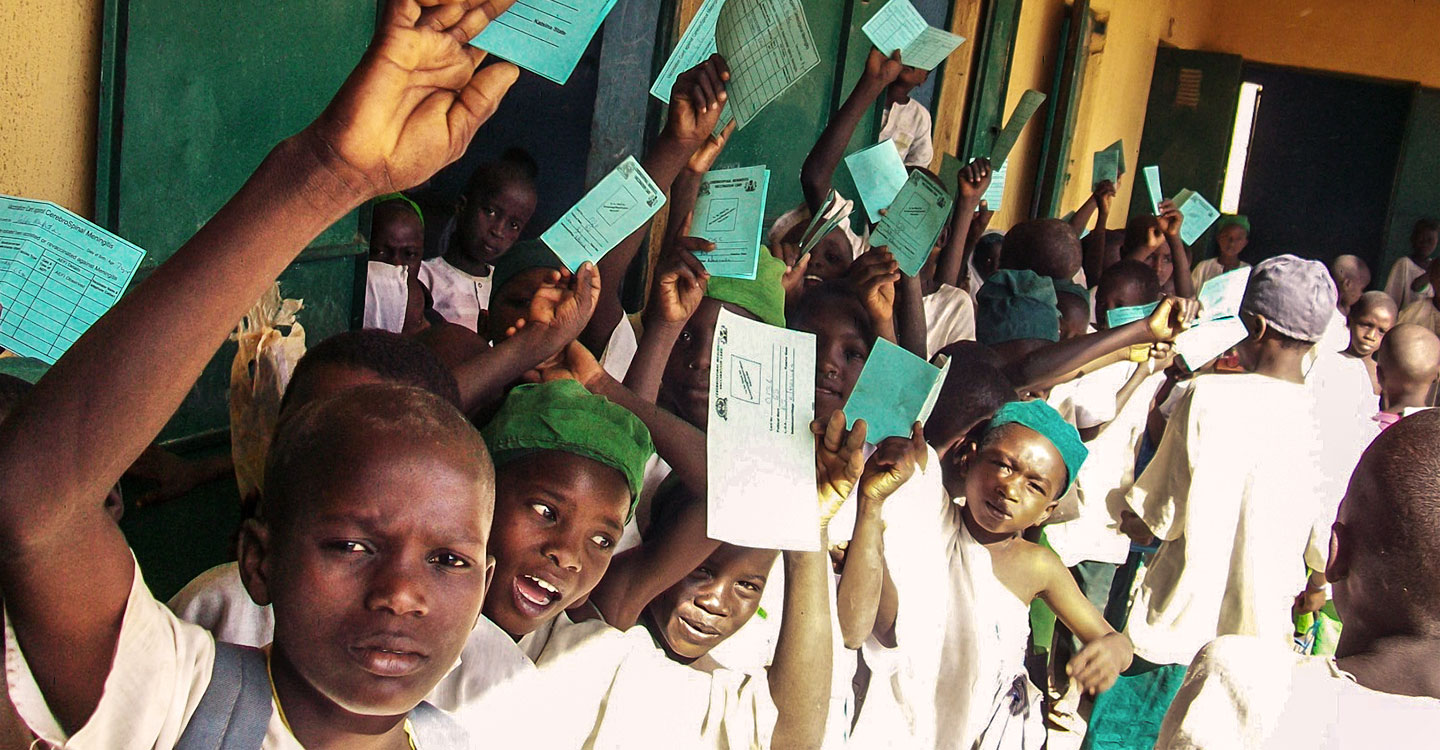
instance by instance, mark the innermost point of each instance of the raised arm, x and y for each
(1170, 222)
(818, 171)
(1169, 319)
(875, 275)
(1093, 244)
(695, 105)
(409, 108)
(973, 181)
(859, 593)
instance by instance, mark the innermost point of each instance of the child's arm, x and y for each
(1043, 365)
(874, 275)
(1093, 244)
(1106, 653)
(695, 104)
(973, 181)
(978, 223)
(558, 312)
(819, 168)
(686, 189)
(1170, 221)
(911, 330)
(1080, 220)
(858, 597)
(679, 286)
(410, 107)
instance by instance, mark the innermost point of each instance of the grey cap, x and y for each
(1296, 296)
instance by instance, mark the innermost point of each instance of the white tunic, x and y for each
(1421, 312)
(907, 125)
(1402, 275)
(949, 317)
(1247, 693)
(458, 296)
(386, 294)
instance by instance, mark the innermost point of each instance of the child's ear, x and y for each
(1049, 511)
(254, 560)
(1338, 567)
(489, 571)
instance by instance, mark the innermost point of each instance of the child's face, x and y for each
(1368, 329)
(1115, 297)
(830, 259)
(685, 385)
(987, 259)
(1423, 242)
(840, 352)
(715, 600)
(557, 519)
(1074, 316)
(1014, 480)
(1232, 240)
(494, 220)
(397, 237)
(511, 302)
(378, 581)
(1162, 263)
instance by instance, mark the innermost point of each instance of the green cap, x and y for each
(388, 197)
(523, 256)
(562, 416)
(763, 297)
(1066, 286)
(1042, 418)
(1233, 220)
(1016, 305)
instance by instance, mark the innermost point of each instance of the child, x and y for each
(1155, 241)
(494, 211)
(1016, 313)
(1048, 247)
(844, 335)
(948, 308)
(1370, 318)
(905, 121)
(1351, 276)
(1073, 303)
(1232, 234)
(1407, 282)
(1407, 364)
(397, 232)
(985, 260)
(1233, 501)
(1424, 311)
(1380, 689)
(1125, 284)
(657, 685)
(961, 675)
(372, 547)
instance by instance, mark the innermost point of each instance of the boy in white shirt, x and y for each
(905, 121)
(1424, 311)
(377, 507)
(1406, 282)
(1232, 234)
(1381, 688)
(1234, 494)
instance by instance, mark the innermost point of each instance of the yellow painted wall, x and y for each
(49, 79)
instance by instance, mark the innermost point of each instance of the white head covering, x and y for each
(801, 215)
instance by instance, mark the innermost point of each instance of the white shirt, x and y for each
(620, 350)
(458, 296)
(1246, 693)
(1105, 477)
(1421, 312)
(1235, 492)
(386, 294)
(908, 126)
(1402, 275)
(217, 601)
(949, 317)
(1208, 269)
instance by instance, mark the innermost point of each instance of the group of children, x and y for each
(484, 517)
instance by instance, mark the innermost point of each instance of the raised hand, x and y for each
(881, 70)
(1171, 317)
(892, 464)
(574, 362)
(980, 221)
(1170, 219)
(874, 275)
(560, 309)
(973, 181)
(696, 101)
(839, 461)
(415, 100)
(680, 279)
(704, 157)
(1104, 196)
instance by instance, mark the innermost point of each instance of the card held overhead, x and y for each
(1152, 186)
(58, 274)
(878, 174)
(1029, 104)
(696, 45)
(1198, 213)
(619, 204)
(1106, 167)
(913, 222)
(895, 390)
(899, 26)
(729, 212)
(996, 192)
(1118, 147)
(545, 37)
(768, 46)
(760, 455)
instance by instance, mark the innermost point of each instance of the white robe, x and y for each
(458, 296)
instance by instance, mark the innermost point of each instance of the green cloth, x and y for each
(25, 368)
(388, 197)
(1042, 418)
(763, 297)
(522, 257)
(1233, 220)
(1063, 286)
(1014, 305)
(1319, 633)
(562, 416)
(1128, 715)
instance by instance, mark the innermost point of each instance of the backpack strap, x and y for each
(436, 730)
(235, 709)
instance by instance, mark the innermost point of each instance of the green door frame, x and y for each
(994, 51)
(1061, 110)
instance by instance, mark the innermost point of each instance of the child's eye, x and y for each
(449, 560)
(1036, 488)
(701, 572)
(748, 586)
(515, 226)
(854, 354)
(488, 211)
(543, 510)
(685, 337)
(349, 546)
(602, 541)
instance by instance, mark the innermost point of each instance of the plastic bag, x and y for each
(271, 342)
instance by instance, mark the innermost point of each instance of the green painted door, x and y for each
(1417, 192)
